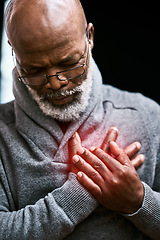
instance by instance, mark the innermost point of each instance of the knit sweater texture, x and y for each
(41, 199)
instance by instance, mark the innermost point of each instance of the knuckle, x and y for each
(122, 172)
(123, 157)
(104, 157)
(85, 153)
(98, 165)
(122, 154)
(114, 182)
(106, 142)
(94, 175)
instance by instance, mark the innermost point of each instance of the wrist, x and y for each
(136, 202)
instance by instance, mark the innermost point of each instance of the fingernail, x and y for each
(142, 157)
(92, 149)
(80, 151)
(114, 129)
(75, 159)
(79, 174)
(74, 135)
(113, 134)
(138, 145)
(113, 143)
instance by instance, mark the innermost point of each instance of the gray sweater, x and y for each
(41, 200)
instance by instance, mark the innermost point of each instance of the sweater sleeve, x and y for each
(147, 218)
(53, 217)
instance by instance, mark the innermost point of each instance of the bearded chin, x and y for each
(70, 111)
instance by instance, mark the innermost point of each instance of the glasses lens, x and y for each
(37, 80)
(71, 73)
(62, 76)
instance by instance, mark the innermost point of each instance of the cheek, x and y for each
(78, 81)
(40, 90)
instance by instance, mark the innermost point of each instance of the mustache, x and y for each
(60, 93)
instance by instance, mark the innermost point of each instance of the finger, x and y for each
(138, 161)
(96, 162)
(132, 149)
(111, 163)
(87, 169)
(93, 188)
(111, 136)
(75, 145)
(119, 154)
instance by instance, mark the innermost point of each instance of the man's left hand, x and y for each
(110, 178)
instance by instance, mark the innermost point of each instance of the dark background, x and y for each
(127, 43)
(127, 40)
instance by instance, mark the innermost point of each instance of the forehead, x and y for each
(56, 30)
(47, 38)
(52, 52)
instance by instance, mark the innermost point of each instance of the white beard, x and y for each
(70, 111)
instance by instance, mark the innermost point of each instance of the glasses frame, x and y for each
(22, 78)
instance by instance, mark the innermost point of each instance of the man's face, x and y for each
(54, 55)
(49, 41)
(52, 41)
(57, 97)
(70, 111)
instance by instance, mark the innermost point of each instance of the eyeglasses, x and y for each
(68, 74)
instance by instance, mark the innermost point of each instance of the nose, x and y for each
(55, 84)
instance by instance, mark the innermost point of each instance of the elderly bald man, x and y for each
(61, 175)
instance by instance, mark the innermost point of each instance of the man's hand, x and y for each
(131, 150)
(111, 179)
(76, 148)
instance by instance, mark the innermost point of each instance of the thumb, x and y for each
(111, 136)
(74, 145)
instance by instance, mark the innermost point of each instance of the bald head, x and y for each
(39, 22)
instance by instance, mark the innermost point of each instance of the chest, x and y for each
(35, 162)
(32, 166)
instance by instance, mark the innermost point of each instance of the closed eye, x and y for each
(67, 63)
(31, 71)
(72, 62)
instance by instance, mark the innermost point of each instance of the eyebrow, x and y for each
(36, 67)
(28, 66)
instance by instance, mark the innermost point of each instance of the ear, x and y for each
(91, 35)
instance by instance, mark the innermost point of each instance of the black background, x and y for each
(127, 39)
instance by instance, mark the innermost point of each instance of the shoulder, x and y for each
(147, 111)
(125, 99)
(7, 115)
